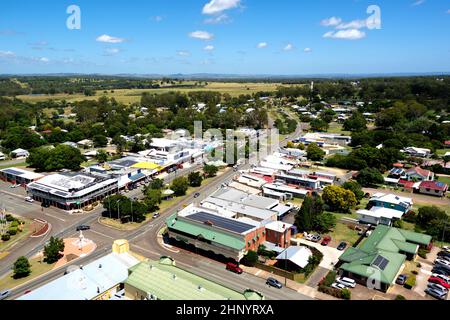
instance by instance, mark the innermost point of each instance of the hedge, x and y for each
(6, 237)
(329, 279)
(338, 293)
(12, 231)
(410, 282)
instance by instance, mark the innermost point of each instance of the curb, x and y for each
(44, 234)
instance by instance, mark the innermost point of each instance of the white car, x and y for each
(309, 237)
(346, 282)
(337, 285)
(29, 199)
(443, 262)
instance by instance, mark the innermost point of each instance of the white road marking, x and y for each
(143, 249)
(102, 234)
(50, 215)
(259, 271)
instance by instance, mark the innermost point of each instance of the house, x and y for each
(434, 188)
(380, 258)
(86, 144)
(163, 280)
(390, 201)
(417, 152)
(71, 144)
(20, 153)
(295, 256)
(2, 156)
(379, 215)
(279, 233)
(419, 174)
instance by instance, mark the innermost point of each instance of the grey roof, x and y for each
(221, 222)
(262, 214)
(235, 195)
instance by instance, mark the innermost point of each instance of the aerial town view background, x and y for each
(228, 164)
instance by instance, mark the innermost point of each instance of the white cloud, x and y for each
(208, 48)
(111, 51)
(223, 18)
(109, 39)
(183, 53)
(307, 50)
(330, 22)
(158, 18)
(355, 24)
(262, 45)
(202, 35)
(7, 54)
(418, 3)
(44, 59)
(350, 34)
(218, 6)
(288, 47)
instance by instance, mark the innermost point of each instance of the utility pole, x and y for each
(118, 209)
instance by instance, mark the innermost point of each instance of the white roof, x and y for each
(162, 143)
(278, 226)
(391, 180)
(381, 212)
(275, 166)
(29, 175)
(297, 255)
(19, 151)
(391, 198)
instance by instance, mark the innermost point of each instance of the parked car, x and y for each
(197, 194)
(83, 228)
(4, 294)
(326, 241)
(437, 287)
(442, 262)
(439, 270)
(342, 246)
(435, 293)
(29, 199)
(156, 215)
(309, 237)
(401, 279)
(444, 253)
(316, 238)
(274, 283)
(337, 285)
(447, 258)
(234, 268)
(439, 281)
(346, 282)
(441, 276)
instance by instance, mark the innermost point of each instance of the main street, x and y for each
(144, 240)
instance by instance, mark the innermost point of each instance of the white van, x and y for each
(346, 282)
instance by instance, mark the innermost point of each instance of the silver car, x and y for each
(5, 294)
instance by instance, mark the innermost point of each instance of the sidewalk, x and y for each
(301, 288)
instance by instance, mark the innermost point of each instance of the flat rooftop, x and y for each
(221, 222)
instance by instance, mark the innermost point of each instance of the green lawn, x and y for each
(444, 179)
(337, 128)
(37, 269)
(441, 152)
(343, 233)
(4, 245)
(16, 165)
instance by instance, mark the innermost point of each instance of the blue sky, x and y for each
(225, 36)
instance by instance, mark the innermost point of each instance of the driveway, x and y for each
(330, 255)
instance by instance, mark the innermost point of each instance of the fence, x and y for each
(299, 277)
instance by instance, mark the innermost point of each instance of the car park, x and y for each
(274, 283)
(342, 246)
(234, 268)
(401, 279)
(5, 294)
(439, 281)
(83, 228)
(346, 282)
(326, 240)
(337, 285)
(435, 293)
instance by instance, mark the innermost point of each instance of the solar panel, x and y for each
(13, 172)
(380, 262)
(60, 193)
(228, 224)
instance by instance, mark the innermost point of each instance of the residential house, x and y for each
(390, 201)
(379, 215)
(419, 174)
(434, 188)
(417, 152)
(20, 153)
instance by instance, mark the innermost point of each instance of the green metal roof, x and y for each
(206, 232)
(168, 282)
(386, 242)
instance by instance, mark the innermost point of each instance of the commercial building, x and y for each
(380, 258)
(208, 231)
(286, 189)
(304, 182)
(163, 280)
(72, 190)
(98, 280)
(19, 176)
(279, 233)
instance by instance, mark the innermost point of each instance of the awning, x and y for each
(137, 177)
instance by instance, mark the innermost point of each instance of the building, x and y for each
(251, 180)
(380, 258)
(19, 176)
(163, 280)
(208, 231)
(390, 201)
(379, 215)
(98, 280)
(279, 233)
(434, 188)
(2, 156)
(85, 144)
(71, 144)
(301, 181)
(419, 174)
(286, 189)
(72, 190)
(295, 256)
(417, 152)
(20, 153)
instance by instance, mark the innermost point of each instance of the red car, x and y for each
(439, 281)
(326, 241)
(234, 267)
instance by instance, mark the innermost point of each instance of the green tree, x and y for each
(311, 216)
(195, 179)
(369, 176)
(100, 141)
(250, 258)
(52, 251)
(210, 171)
(101, 156)
(61, 157)
(339, 199)
(356, 122)
(355, 187)
(152, 199)
(314, 152)
(157, 184)
(180, 186)
(22, 268)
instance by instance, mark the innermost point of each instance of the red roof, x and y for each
(447, 143)
(398, 165)
(406, 184)
(419, 170)
(434, 185)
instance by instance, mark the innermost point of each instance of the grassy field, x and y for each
(16, 165)
(37, 269)
(5, 245)
(128, 96)
(343, 233)
(444, 179)
(337, 128)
